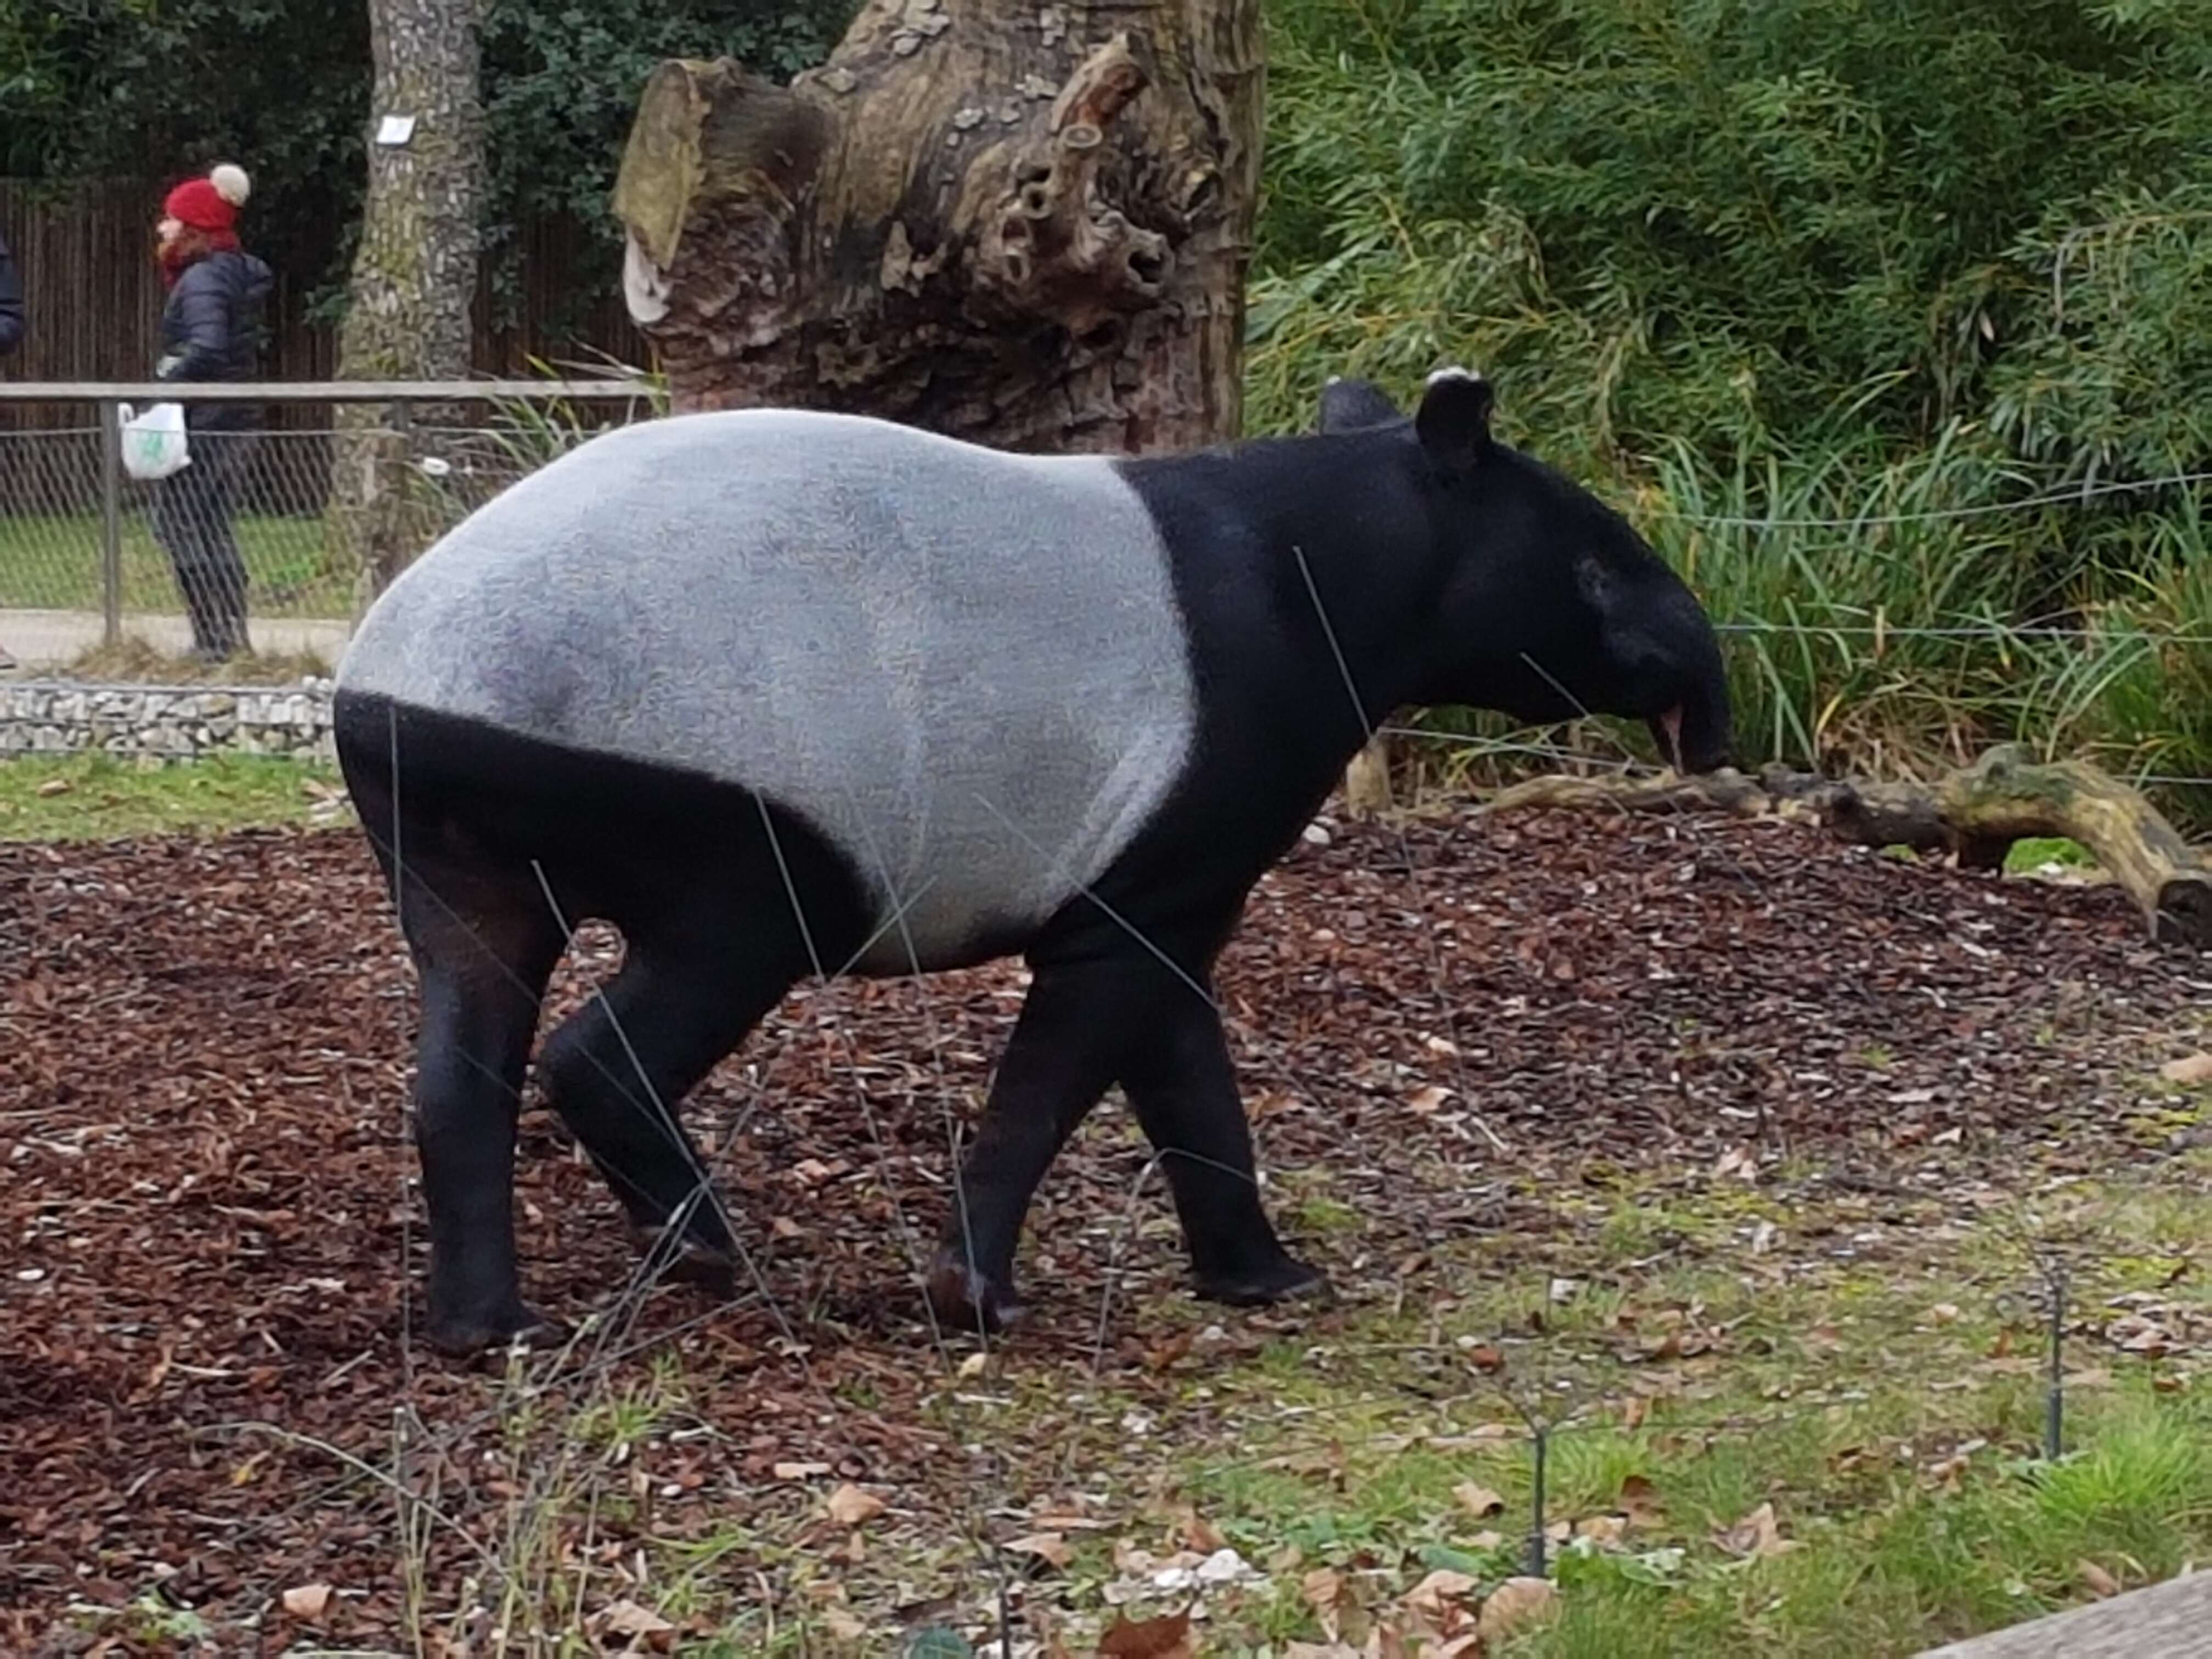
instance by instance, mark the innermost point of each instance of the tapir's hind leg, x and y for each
(615, 1070)
(1058, 1062)
(484, 943)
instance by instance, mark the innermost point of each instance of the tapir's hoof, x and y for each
(965, 1300)
(462, 1337)
(691, 1263)
(1286, 1279)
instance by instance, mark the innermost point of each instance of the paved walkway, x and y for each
(40, 640)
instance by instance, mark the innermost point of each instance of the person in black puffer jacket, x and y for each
(11, 301)
(210, 330)
(11, 336)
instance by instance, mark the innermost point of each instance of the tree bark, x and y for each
(1976, 814)
(1023, 224)
(414, 275)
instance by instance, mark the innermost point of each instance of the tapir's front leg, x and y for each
(1184, 1089)
(1089, 1020)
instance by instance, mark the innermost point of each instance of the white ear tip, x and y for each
(1334, 379)
(231, 183)
(1454, 373)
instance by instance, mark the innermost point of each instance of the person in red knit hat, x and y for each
(210, 330)
(11, 336)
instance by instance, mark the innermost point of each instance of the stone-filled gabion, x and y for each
(181, 721)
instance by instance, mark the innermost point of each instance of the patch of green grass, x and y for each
(51, 561)
(99, 797)
(2037, 851)
(1888, 1410)
(1325, 1215)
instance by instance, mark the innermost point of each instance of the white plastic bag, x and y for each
(153, 444)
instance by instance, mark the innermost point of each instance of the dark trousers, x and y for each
(191, 521)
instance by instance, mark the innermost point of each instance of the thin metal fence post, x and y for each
(2054, 1420)
(1536, 1507)
(111, 520)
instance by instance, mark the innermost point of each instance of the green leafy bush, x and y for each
(1808, 290)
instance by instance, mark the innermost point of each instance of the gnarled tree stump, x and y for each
(1023, 224)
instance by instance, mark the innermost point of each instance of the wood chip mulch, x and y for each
(211, 1236)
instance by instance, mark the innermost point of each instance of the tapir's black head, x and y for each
(1553, 606)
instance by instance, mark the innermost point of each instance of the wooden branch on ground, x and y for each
(1975, 814)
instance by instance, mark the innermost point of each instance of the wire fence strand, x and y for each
(1939, 514)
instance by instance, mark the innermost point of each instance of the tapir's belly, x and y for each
(967, 670)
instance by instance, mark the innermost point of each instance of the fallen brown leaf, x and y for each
(1479, 1501)
(1324, 1592)
(850, 1506)
(308, 1600)
(1639, 1501)
(1757, 1534)
(1439, 1595)
(1048, 1546)
(2101, 1583)
(627, 1618)
(1513, 1604)
(1151, 1638)
(1197, 1535)
(2191, 1068)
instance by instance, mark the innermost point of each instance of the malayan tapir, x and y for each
(781, 694)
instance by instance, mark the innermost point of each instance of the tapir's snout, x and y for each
(1696, 735)
(1687, 749)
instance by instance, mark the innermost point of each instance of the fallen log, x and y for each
(1974, 814)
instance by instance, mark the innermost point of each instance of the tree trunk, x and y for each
(1976, 814)
(414, 275)
(1023, 224)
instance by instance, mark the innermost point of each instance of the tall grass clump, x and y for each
(1886, 322)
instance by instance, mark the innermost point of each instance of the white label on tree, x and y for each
(395, 130)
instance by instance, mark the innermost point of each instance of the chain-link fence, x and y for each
(257, 548)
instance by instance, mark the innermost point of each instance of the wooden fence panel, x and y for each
(94, 297)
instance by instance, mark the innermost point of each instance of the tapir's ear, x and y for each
(1346, 405)
(1453, 419)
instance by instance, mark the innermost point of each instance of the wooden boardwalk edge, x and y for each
(2168, 1621)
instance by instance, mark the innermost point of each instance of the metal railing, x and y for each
(90, 556)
